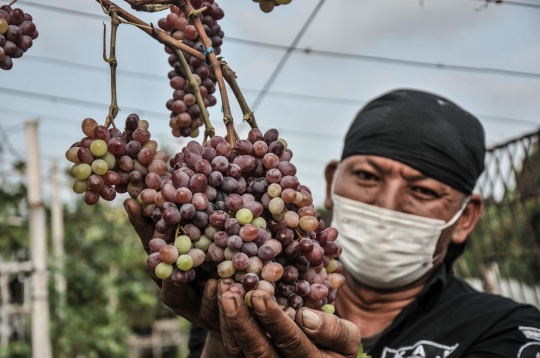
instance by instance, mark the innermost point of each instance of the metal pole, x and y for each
(57, 217)
(41, 342)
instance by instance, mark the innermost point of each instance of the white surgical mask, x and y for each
(384, 248)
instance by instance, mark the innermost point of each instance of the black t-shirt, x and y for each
(451, 319)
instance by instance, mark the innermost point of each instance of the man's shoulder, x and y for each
(467, 298)
(464, 322)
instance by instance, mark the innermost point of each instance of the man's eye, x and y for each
(425, 191)
(365, 176)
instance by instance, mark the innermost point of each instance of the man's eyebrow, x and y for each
(414, 177)
(374, 164)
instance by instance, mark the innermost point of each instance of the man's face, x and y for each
(393, 185)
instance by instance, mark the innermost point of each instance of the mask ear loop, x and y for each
(458, 214)
(333, 186)
(453, 220)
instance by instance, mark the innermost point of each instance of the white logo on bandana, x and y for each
(421, 349)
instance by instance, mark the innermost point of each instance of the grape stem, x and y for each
(149, 2)
(151, 8)
(296, 230)
(111, 60)
(158, 34)
(227, 116)
(196, 13)
(13, 2)
(230, 77)
(194, 86)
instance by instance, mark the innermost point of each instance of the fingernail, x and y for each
(310, 319)
(259, 304)
(222, 288)
(229, 305)
(210, 293)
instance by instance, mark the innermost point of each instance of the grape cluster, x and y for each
(185, 113)
(268, 5)
(224, 212)
(108, 161)
(17, 32)
(241, 213)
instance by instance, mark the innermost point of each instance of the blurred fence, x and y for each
(503, 254)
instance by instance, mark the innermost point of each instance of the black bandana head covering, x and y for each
(424, 131)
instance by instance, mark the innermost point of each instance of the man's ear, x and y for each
(468, 219)
(329, 172)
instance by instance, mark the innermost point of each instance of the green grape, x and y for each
(3, 26)
(276, 206)
(182, 244)
(259, 222)
(164, 270)
(244, 216)
(279, 217)
(194, 133)
(283, 141)
(210, 231)
(184, 262)
(202, 243)
(98, 147)
(99, 166)
(226, 269)
(110, 159)
(332, 266)
(283, 2)
(83, 171)
(140, 201)
(247, 298)
(80, 186)
(328, 308)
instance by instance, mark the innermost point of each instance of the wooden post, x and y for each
(41, 342)
(491, 278)
(4, 309)
(57, 218)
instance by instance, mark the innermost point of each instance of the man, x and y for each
(403, 204)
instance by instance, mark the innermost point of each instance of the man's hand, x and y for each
(184, 301)
(315, 334)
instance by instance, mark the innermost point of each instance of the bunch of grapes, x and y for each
(17, 32)
(241, 213)
(108, 161)
(268, 5)
(185, 113)
(224, 212)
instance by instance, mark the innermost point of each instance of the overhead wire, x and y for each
(289, 50)
(283, 61)
(7, 142)
(505, 2)
(76, 101)
(304, 97)
(379, 59)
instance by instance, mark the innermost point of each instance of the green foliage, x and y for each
(13, 220)
(110, 294)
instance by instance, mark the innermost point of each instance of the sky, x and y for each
(486, 60)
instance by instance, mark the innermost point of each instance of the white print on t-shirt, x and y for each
(531, 349)
(531, 332)
(421, 349)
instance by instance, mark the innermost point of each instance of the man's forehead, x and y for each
(382, 164)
